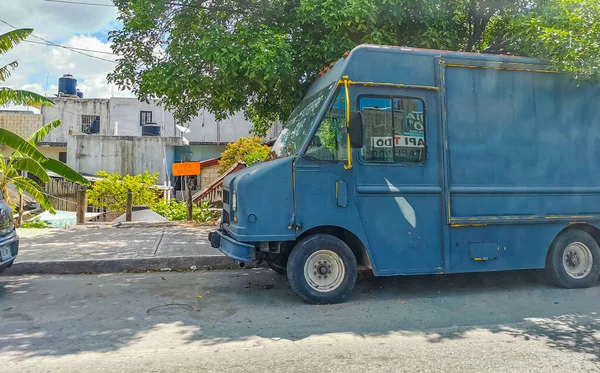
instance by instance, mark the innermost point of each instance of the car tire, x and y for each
(322, 269)
(574, 260)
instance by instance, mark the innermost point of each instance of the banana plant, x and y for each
(9, 96)
(27, 157)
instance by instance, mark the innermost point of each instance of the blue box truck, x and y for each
(408, 161)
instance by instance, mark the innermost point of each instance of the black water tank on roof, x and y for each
(67, 85)
(150, 129)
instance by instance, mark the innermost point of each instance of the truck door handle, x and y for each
(341, 193)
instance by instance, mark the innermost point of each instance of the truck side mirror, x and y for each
(356, 130)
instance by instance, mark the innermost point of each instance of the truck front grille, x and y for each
(226, 197)
(225, 217)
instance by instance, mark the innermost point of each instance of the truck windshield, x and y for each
(298, 125)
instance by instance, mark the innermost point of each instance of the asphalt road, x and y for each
(251, 321)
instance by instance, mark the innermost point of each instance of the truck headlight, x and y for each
(234, 202)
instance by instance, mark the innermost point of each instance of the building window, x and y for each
(62, 156)
(145, 117)
(394, 129)
(90, 124)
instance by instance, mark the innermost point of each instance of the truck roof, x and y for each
(450, 54)
(367, 62)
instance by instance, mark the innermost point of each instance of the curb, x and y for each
(121, 265)
(159, 224)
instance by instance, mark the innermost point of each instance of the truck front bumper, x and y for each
(234, 249)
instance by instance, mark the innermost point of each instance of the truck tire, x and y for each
(322, 269)
(574, 260)
(275, 266)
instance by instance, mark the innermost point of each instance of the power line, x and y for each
(60, 46)
(71, 48)
(97, 4)
(78, 3)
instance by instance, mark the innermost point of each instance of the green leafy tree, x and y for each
(247, 150)
(261, 55)
(564, 31)
(27, 158)
(10, 96)
(111, 191)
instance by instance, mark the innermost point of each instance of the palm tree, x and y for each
(27, 157)
(10, 96)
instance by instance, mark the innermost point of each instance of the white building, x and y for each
(107, 134)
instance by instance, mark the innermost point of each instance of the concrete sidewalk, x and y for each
(104, 249)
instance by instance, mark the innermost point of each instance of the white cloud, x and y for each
(59, 21)
(65, 24)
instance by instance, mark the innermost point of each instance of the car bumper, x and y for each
(234, 249)
(13, 240)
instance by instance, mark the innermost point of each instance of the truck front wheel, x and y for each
(322, 269)
(276, 266)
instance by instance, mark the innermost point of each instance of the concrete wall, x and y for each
(126, 111)
(198, 152)
(52, 151)
(48, 151)
(23, 124)
(70, 111)
(204, 128)
(126, 155)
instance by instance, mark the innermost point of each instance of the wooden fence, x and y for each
(63, 195)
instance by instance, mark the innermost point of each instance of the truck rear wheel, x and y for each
(574, 260)
(322, 269)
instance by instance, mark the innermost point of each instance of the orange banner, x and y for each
(186, 169)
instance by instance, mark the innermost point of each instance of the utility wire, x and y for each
(60, 46)
(71, 48)
(97, 4)
(78, 3)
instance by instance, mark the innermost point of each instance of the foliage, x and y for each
(261, 55)
(26, 158)
(111, 191)
(10, 96)
(177, 210)
(35, 223)
(564, 31)
(247, 150)
(328, 134)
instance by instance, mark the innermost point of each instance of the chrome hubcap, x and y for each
(324, 271)
(577, 260)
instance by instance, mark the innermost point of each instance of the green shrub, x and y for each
(35, 223)
(177, 210)
(111, 191)
(248, 150)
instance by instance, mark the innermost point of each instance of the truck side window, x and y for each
(394, 129)
(330, 141)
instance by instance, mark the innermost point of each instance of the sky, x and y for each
(73, 25)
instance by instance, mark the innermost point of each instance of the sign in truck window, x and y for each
(394, 130)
